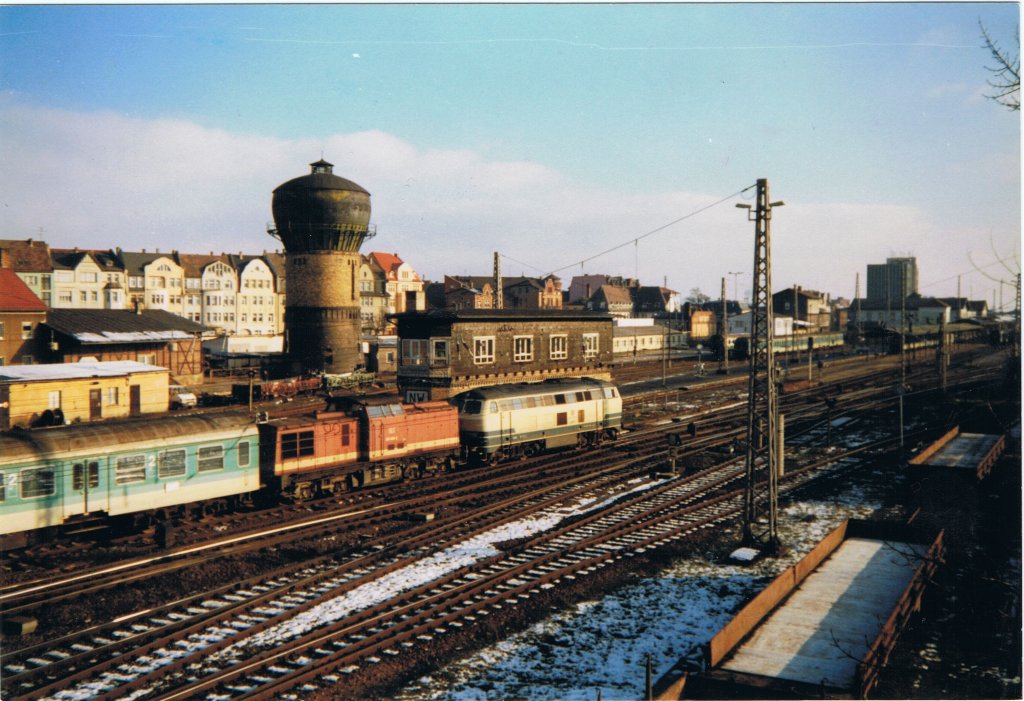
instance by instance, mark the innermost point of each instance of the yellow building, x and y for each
(86, 391)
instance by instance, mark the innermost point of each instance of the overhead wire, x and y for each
(636, 240)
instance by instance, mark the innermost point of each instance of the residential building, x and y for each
(21, 313)
(402, 284)
(613, 299)
(155, 280)
(86, 280)
(30, 260)
(808, 306)
(444, 352)
(477, 292)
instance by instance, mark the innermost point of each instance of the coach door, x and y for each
(83, 493)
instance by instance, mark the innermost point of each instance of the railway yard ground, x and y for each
(550, 578)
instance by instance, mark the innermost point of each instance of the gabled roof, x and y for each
(652, 299)
(28, 256)
(194, 263)
(388, 262)
(15, 295)
(134, 263)
(613, 294)
(71, 258)
(122, 326)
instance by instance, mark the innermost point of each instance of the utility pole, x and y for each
(942, 354)
(499, 298)
(724, 332)
(760, 508)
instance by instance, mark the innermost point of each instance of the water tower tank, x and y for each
(322, 220)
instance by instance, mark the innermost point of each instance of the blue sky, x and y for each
(549, 133)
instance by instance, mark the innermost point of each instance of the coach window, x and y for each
(243, 453)
(38, 482)
(562, 418)
(211, 457)
(170, 463)
(130, 469)
(522, 349)
(559, 347)
(483, 350)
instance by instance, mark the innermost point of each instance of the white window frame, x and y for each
(559, 346)
(414, 351)
(591, 345)
(522, 349)
(483, 350)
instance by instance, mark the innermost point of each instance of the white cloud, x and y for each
(103, 179)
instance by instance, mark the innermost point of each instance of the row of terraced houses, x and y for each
(233, 294)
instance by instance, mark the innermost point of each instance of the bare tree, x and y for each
(1006, 72)
(697, 297)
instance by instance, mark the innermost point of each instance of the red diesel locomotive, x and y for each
(367, 442)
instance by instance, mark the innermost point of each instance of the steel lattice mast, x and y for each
(760, 522)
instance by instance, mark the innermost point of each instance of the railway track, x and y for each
(285, 592)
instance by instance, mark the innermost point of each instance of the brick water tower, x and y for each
(322, 220)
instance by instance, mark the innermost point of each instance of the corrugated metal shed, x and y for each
(91, 326)
(73, 371)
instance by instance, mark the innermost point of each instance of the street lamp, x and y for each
(735, 293)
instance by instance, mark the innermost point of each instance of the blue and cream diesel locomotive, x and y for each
(506, 421)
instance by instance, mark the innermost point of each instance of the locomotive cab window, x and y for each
(471, 406)
(297, 444)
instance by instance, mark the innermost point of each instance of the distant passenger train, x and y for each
(141, 470)
(782, 345)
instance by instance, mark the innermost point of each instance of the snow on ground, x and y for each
(426, 570)
(602, 646)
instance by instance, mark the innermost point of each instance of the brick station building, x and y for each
(444, 352)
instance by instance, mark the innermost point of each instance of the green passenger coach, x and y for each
(62, 478)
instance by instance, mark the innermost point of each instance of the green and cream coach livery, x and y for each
(54, 478)
(506, 421)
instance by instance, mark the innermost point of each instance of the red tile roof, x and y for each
(388, 262)
(15, 295)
